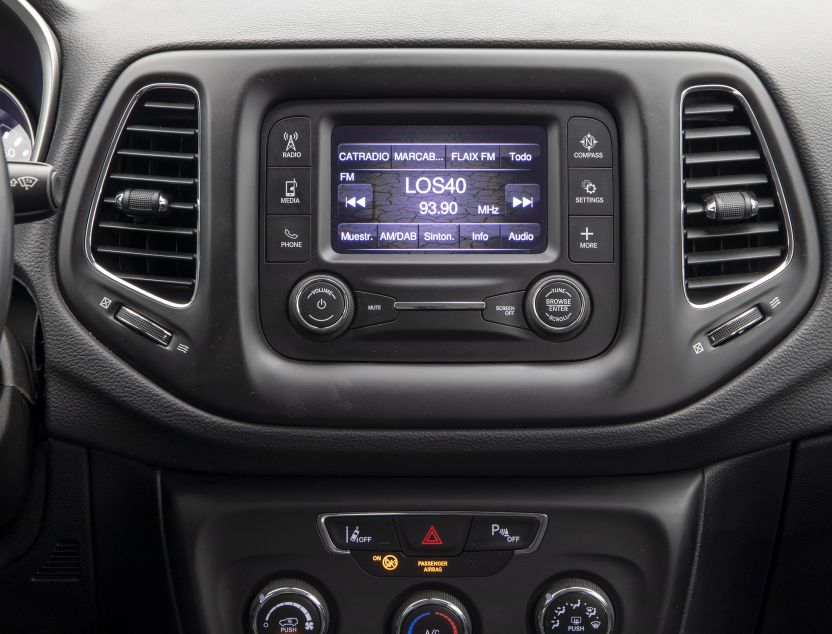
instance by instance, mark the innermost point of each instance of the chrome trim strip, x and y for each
(439, 305)
(105, 166)
(51, 66)
(542, 518)
(775, 181)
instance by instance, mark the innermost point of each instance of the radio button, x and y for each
(590, 191)
(588, 143)
(505, 309)
(372, 309)
(290, 144)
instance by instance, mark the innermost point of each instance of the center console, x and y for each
(446, 231)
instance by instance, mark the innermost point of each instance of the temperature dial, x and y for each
(289, 606)
(574, 606)
(432, 613)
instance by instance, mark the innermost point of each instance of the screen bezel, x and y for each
(432, 113)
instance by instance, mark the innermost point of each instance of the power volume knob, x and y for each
(432, 611)
(322, 305)
(574, 605)
(289, 606)
(557, 306)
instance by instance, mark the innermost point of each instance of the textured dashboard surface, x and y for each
(95, 399)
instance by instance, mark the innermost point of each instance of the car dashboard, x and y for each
(453, 318)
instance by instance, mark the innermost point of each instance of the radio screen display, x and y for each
(435, 189)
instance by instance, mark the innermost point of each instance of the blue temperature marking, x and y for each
(415, 621)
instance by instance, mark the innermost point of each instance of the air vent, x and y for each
(63, 563)
(736, 229)
(144, 229)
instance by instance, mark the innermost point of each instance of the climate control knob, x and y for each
(432, 611)
(574, 605)
(289, 606)
(557, 306)
(322, 305)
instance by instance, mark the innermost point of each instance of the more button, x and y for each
(591, 239)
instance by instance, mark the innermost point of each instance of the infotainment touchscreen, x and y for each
(439, 189)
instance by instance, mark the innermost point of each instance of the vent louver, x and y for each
(735, 226)
(144, 229)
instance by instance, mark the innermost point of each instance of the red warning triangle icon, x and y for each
(432, 538)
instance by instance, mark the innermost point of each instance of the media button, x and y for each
(591, 239)
(287, 238)
(398, 236)
(355, 201)
(288, 190)
(479, 236)
(520, 236)
(438, 236)
(520, 156)
(289, 143)
(472, 156)
(358, 235)
(588, 143)
(363, 156)
(590, 191)
(426, 156)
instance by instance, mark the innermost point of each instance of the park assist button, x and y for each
(588, 143)
(361, 532)
(290, 144)
(502, 532)
(591, 239)
(432, 534)
(505, 309)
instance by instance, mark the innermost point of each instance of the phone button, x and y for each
(287, 238)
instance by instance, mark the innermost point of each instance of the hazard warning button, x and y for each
(432, 534)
